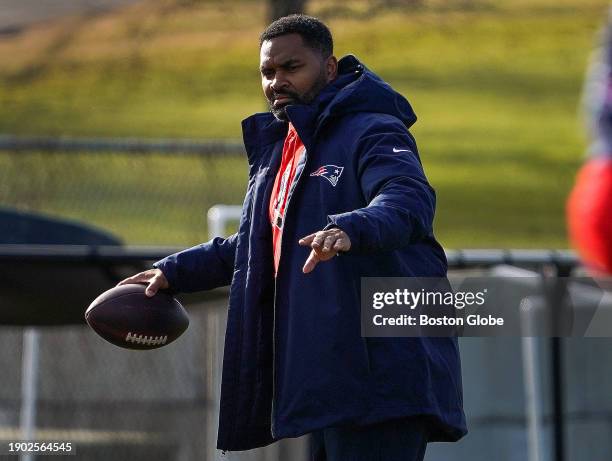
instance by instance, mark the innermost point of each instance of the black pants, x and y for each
(397, 440)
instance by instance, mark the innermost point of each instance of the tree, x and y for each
(280, 8)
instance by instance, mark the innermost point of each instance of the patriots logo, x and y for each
(330, 172)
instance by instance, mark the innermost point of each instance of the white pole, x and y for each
(531, 382)
(29, 375)
(218, 217)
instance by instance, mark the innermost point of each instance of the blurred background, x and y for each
(122, 118)
(495, 84)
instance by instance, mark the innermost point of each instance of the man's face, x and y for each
(292, 73)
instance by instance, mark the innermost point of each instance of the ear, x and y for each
(331, 68)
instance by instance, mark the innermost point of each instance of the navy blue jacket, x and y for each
(295, 360)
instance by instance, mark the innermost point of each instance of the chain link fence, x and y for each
(146, 193)
(112, 403)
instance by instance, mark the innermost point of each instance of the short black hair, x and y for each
(314, 33)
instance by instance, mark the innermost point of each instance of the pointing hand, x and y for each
(325, 245)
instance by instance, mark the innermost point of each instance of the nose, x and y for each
(279, 83)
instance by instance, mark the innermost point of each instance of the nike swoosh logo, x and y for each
(400, 150)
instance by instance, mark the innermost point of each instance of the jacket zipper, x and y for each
(293, 186)
(274, 351)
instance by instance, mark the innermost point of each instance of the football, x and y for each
(126, 317)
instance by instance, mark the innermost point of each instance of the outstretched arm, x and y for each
(401, 203)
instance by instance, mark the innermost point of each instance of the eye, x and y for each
(267, 73)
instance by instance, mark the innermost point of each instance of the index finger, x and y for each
(141, 277)
(311, 262)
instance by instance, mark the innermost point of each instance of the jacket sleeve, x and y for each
(202, 267)
(401, 203)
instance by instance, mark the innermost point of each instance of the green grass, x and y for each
(496, 87)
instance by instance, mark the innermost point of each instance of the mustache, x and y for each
(288, 94)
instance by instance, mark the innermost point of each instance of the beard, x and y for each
(306, 98)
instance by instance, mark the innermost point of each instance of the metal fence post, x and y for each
(531, 382)
(29, 375)
(555, 292)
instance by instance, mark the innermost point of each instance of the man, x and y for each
(333, 172)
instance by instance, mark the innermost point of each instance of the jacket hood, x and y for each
(358, 89)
